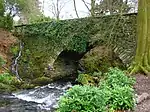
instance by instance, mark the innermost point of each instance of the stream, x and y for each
(41, 99)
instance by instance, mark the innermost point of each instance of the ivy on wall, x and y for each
(44, 41)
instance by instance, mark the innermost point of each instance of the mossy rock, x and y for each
(7, 88)
(41, 81)
(16, 83)
(100, 58)
(27, 86)
(8, 82)
(86, 79)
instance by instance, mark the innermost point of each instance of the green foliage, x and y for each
(26, 8)
(2, 9)
(6, 22)
(6, 78)
(121, 98)
(46, 40)
(121, 89)
(83, 99)
(14, 50)
(10, 8)
(2, 61)
(40, 19)
(114, 93)
(117, 77)
(8, 83)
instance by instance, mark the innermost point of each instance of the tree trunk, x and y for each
(57, 10)
(75, 8)
(142, 58)
(92, 8)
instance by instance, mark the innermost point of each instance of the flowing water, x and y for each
(42, 99)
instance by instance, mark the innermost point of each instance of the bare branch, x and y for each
(75, 8)
(56, 7)
(86, 5)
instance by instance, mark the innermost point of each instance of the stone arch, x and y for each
(65, 64)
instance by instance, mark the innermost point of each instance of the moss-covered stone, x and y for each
(41, 81)
(7, 88)
(86, 79)
(15, 82)
(44, 42)
(100, 58)
(27, 86)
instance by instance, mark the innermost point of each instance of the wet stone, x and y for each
(42, 99)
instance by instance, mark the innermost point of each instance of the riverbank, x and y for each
(40, 99)
(142, 89)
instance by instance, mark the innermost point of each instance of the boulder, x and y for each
(100, 58)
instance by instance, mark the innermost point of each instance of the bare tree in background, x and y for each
(112, 7)
(133, 4)
(56, 7)
(103, 7)
(86, 5)
(75, 8)
(92, 8)
(25, 9)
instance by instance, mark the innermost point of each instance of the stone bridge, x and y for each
(44, 42)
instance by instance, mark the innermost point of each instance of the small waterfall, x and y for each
(15, 65)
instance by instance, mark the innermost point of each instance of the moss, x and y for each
(86, 79)
(7, 88)
(16, 83)
(27, 86)
(100, 58)
(43, 42)
(41, 81)
(9, 83)
(97, 64)
(14, 50)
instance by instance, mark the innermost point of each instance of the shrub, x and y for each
(6, 78)
(83, 99)
(6, 22)
(114, 93)
(121, 89)
(14, 50)
(122, 98)
(115, 77)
